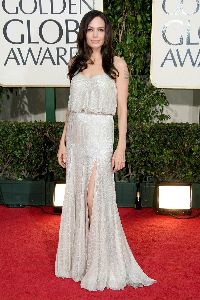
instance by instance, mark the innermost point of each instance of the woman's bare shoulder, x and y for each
(121, 65)
(119, 61)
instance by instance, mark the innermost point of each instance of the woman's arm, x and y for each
(62, 146)
(118, 160)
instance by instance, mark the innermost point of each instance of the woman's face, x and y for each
(96, 33)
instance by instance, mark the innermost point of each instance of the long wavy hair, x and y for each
(83, 55)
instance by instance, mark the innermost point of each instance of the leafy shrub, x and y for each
(165, 151)
(22, 150)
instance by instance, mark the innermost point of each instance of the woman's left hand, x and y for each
(118, 159)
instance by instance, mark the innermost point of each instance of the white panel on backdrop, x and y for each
(175, 44)
(37, 38)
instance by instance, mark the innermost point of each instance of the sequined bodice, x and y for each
(96, 94)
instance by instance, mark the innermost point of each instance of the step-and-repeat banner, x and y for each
(175, 40)
(37, 38)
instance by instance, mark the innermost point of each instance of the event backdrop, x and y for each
(37, 38)
(175, 42)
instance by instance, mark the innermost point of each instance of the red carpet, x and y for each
(168, 249)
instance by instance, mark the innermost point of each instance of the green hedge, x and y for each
(28, 150)
(164, 151)
(22, 150)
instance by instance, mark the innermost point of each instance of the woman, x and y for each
(92, 245)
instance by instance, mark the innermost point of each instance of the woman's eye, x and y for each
(100, 29)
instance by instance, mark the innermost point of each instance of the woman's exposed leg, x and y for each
(90, 192)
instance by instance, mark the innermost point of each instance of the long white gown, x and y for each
(99, 257)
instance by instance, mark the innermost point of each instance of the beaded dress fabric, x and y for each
(97, 255)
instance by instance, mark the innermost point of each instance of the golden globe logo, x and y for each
(39, 36)
(175, 43)
(183, 34)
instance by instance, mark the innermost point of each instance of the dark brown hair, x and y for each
(79, 61)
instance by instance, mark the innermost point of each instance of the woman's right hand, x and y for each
(62, 155)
